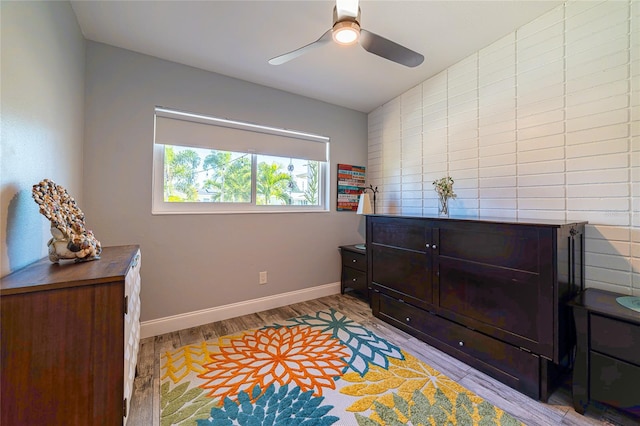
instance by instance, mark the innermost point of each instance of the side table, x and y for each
(607, 365)
(354, 270)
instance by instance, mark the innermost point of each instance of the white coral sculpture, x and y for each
(71, 240)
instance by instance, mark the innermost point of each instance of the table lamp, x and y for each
(364, 206)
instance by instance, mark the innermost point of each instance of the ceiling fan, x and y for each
(346, 31)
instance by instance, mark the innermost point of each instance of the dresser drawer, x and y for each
(616, 338)
(515, 367)
(615, 382)
(354, 278)
(354, 260)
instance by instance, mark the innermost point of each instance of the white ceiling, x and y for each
(237, 38)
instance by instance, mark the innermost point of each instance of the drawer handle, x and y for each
(408, 319)
(434, 246)
(354, 261)
(461, 343)
(354, 280)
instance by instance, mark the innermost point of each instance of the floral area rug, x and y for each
(320, 369)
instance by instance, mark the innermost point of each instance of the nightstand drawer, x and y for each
(616, 338)
(354, 260)
(354, 278)
(615, 382)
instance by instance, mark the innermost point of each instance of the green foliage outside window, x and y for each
(180, 175)
(230, 179)
(226, 177)
(272, 184)
(311, 193)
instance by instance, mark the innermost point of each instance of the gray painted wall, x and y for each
(193, 262)
(42, 120)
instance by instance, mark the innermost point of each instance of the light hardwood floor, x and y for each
(145, 402)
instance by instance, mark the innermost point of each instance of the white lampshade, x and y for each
(364, 205)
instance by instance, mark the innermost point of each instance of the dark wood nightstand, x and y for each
(607, 366)
(354, 270)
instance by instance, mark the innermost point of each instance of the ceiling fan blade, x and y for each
(387, 49)
(324, 39)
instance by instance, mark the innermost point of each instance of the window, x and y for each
(208, 165)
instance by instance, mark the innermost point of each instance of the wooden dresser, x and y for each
(70, 335)
(491, 293)
(607, 367)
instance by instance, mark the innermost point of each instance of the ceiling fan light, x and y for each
(346, 32)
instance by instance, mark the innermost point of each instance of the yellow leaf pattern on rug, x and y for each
(380, 381)
(298, 355)
(359, 389)
(384, 385)
(353, 377)
(403, 377)
(363, 404)
(375, 375)
(409, 386)
(178, 364)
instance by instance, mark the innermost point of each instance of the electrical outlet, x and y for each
(263, 277)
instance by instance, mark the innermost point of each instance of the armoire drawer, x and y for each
(516, 367)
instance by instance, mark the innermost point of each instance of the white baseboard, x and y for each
(193, 319)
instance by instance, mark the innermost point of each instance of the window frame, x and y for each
(160, 207)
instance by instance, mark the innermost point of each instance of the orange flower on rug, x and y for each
(301, 356)
(321, 369)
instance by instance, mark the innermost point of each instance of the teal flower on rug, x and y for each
(281, 408)
(366, 347)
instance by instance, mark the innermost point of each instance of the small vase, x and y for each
(443, 207)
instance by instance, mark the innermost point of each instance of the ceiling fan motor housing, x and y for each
(346, 29)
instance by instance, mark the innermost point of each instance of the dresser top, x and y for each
(499, 220)
(354, 248)
(113, 265)
(604, 302)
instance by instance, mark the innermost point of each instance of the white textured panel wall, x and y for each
(540, 118)
(411, 151)
(462, 132)
(635, 144)
(435, 159)
(542, 124)
(390, 197)
(496, 129)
